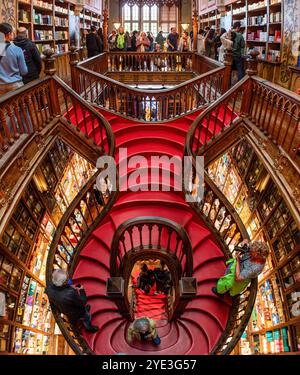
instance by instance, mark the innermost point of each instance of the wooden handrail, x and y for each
(221, 114)
(272, 109)
(32, 107)
(134, 240)
(78, 222)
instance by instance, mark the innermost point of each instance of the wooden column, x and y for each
(228, 67)
(105, 30)
(50, 71)
(187, 291)
(195, 25)
(49, 61)
(252, 63)
(250, 71)
(74, 59)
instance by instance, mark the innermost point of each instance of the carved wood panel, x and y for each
(8, 12)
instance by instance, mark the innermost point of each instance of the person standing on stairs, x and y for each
(69, 300)
(143, 329)
(145, 279)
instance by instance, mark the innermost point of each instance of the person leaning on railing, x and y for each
(249, 262)
(12, 62)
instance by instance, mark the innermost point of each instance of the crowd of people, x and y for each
(213, 43)
(157, 280)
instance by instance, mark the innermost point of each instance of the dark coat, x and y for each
(67, 300)
(93, 45)
(32, 58)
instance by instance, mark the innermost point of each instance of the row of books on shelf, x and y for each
(61, 35)
(43, 35)
(43, 4)
(40, 19)
(61, 9)
(275, 17)
(262, 36)
(272, 55)
(257, 5)
(61, 22)
(59, 48)
(239, 10)
(257, 20)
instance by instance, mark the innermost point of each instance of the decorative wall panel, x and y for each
(8, 11)
(291, 37)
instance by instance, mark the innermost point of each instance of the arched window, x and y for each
(143, 18)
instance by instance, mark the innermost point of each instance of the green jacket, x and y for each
(238, 45)
(228, 283)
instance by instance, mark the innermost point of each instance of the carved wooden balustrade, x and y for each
(150, 105)
(28, 110)
(144, 238)
(150, 61)
(86, 211)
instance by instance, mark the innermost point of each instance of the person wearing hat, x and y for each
(12, 62)
(31, 54)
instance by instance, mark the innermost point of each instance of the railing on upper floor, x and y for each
(89, 80)
(119, 61)
(151, 238)
(28, 110)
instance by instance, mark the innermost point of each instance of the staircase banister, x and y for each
(209, 59)
(91, 109)
(277, 89)
(144, 92)
(211, 108)
(23, 89)
(228, 205)
(144, 220)
(65, 218)
(92, 59)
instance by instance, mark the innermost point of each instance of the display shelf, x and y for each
(59, 15)
(262, 15)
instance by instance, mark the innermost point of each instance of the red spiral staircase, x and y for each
(204, 320)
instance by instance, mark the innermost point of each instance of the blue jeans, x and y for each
(238, 62)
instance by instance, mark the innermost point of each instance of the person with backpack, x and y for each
(12, 62)
(93, 43)
(248, 263)
(32, 56)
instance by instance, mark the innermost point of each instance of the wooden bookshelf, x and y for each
(51, 23)
(261, 25)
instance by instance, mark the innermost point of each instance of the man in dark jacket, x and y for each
(93, 43)
(32, 56)
(69, 300)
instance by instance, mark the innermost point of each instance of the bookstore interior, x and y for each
(48, 174)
